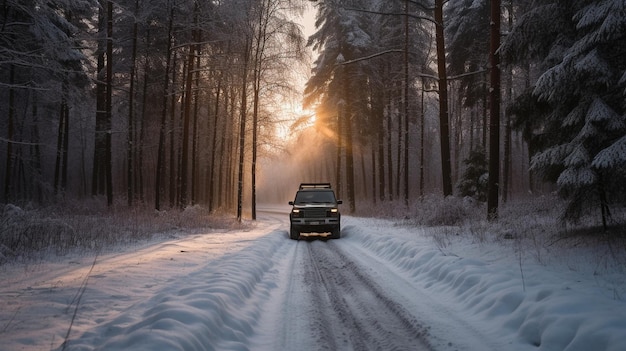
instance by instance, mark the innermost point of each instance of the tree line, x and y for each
(161, 102)
(169, 101)
(556, 123)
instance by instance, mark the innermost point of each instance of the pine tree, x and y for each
(475, 177)
(580, 96)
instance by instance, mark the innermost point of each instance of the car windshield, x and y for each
(303, 197)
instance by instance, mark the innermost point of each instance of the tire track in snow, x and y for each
(362, 315)
(294, 319)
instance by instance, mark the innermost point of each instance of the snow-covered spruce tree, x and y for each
(475, 177)
(341, 36)
(42, 75)
(575, 113)
(467, 39)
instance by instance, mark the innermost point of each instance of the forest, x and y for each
(167, 104)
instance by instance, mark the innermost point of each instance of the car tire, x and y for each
(335, 233)
(294, 234)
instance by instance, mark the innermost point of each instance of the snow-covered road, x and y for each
(337, 303)
(380, 287)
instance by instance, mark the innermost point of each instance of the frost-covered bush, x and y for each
(435, 211)
(26, 234)
(432, 210)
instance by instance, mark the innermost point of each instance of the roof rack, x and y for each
(314, 186)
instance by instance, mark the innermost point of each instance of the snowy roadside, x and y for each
(210, 292)
(127, 290)
(558, 307)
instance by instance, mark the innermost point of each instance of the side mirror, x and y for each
(291, 203)
(339, 202)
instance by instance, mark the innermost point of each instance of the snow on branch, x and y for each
(612, 156)
(576, 177)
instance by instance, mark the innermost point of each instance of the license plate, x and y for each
(314, 223)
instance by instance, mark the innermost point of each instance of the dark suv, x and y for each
(315, 211)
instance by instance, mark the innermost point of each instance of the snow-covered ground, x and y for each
(381, 286)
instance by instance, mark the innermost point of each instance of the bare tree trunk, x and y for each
(10, 135)
(389, 156)
(381, 153)
(338, 173)
(494, 118)
(98, 173)
(160, 171)
(349, 145)
(109, 105)
(261, 38)
(506, 176)
(399, 144)
(60, 168)
(183, 201)
(173, 181)
(212, 172)
(140, 180)
(242, 127)
(406, 102)
(36, 150)
(374, 167)
(130, 145)
(422, 120)
(444, 128)
(484, 115)
(196, 105)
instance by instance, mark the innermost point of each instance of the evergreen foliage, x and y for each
(473, 183)
(575, 115)
(467, 42)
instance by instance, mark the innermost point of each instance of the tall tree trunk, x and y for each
(259, 51)
(374, 145)
(494, 117)
(338, 173)
(212, 171)
(60, 168)
(506, 176)
(142, 136)
(444, 128)
(380, 132)
(196, 106)
(173, 127)
(144, 99)
(130, 144)
(10, 135)
(349, 142)
(37, 181)
(406, 102)
(484, 114)
(399, 143)
(109, 105)
(422, 127)
(99, 159)
(160, 171)
(242, 127)
(186, 120)
(389, 154)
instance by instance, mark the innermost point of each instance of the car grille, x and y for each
(315, 213)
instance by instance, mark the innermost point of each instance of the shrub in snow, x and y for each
(435, 211)
(29, 234)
